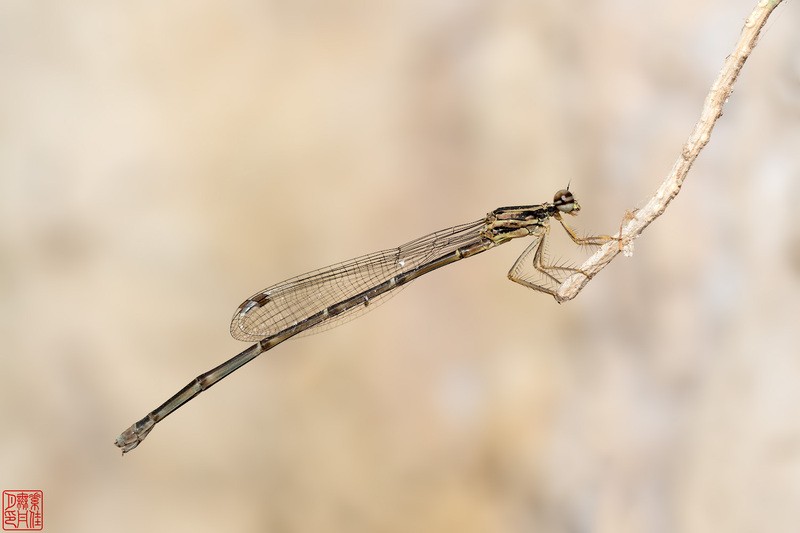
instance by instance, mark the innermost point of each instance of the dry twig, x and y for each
(635, 223)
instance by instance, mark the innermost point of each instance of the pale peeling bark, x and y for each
(634, 223)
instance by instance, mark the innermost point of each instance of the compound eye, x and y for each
(564, 201)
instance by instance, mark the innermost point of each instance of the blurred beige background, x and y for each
(161, 161)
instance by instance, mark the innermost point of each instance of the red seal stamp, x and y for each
(23, 510)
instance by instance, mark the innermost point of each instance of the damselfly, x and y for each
(332, 295)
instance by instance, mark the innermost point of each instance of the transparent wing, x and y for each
(287, 303)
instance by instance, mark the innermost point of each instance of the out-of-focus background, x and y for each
(162, 161)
